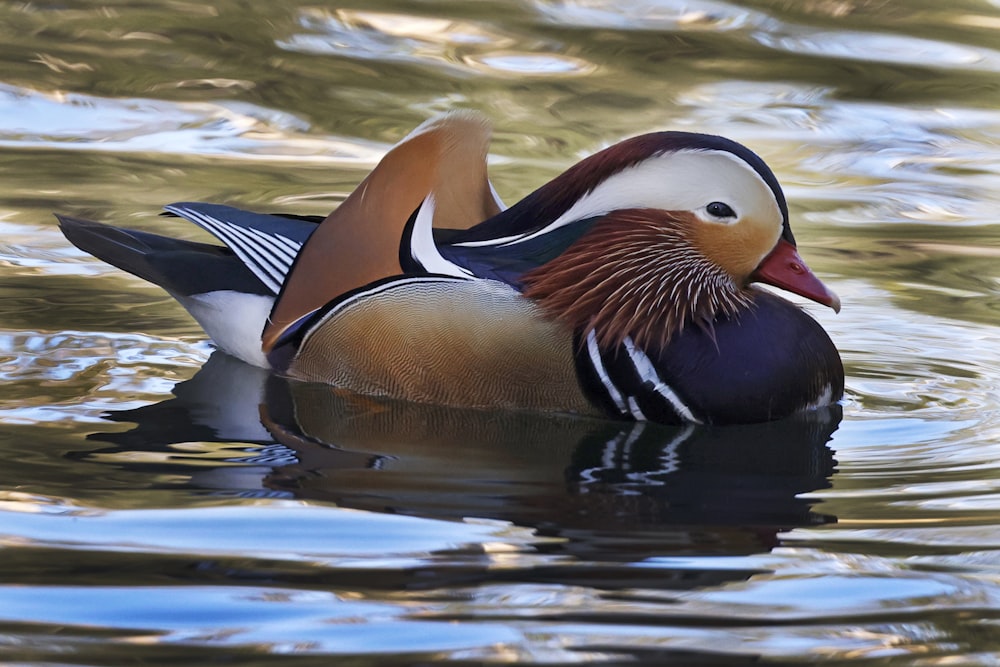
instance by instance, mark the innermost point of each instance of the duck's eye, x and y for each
(717, 209)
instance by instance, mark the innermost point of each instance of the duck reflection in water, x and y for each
(610, 490)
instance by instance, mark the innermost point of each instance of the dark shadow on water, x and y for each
(631, 506)
(613, 491)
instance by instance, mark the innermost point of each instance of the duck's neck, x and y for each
(635, 274)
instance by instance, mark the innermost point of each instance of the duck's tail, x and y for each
(225, 297)
(182, 268)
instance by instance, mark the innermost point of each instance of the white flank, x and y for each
(233, 320)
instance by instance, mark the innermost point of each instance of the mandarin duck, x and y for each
(622, 288)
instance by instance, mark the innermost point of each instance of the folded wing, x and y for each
(441, 164)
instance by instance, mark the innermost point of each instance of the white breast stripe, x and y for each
(595, 360)
(644, 367)
(635, 410)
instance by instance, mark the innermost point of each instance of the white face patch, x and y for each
(686, 180)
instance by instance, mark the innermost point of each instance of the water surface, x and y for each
(162, 503)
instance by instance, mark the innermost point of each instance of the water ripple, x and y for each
(773, 33)
(75, 376)
(276, 530)
(871, 162)
(72, 121)
(650, 15)
(879, 48)
(458, 47)
(385, 36)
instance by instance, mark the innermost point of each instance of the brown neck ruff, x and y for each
(637, 273)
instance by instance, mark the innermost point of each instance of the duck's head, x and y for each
(670, 229)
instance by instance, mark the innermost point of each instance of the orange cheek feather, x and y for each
(739, 248)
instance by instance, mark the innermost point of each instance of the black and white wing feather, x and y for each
(266, 244)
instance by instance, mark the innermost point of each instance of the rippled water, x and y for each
(159, 503)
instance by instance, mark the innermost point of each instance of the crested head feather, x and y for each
(637, 273)
(552, 201)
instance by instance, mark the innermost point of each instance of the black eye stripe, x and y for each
(718, 209)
